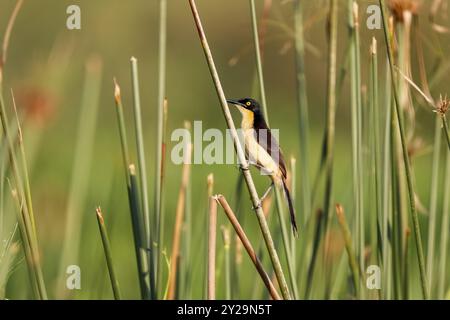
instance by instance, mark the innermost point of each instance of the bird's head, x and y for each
(245, 105)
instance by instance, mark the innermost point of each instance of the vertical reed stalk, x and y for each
(185, 176)
(108, 254)
(302, 105)
(433, 200)
(81, 167)
(157, 214)
(133, 198)
(185, 262)
(212, 231)
(142, 168)
(330, 121)
(443, 253)
(357, 164)
(446, 131)
(286, 243)
(387, 186)
(259, 68)
(293, 243)
(138, 233)
(241, 156)
(248, 247)
(376, 151)
(226, 248)
(23, 163)
(349, 247)
(406, 161)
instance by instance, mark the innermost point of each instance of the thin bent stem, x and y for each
(248, 247)
(349, 247)
(108, 254)
(411, 193)
(241, 157)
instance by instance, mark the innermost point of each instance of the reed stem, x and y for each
(142, 168)
(108, 254)
(212, 230)
(302, 105)
(159, 165)
(248, 247)
(185, 176)
(259, 68)
(411, 193)
(349, 247)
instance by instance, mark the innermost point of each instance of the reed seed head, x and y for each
(400, 7)
(443, 106)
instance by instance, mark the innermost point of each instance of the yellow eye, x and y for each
(248, 103)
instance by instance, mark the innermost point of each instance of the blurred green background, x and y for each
(46, 68)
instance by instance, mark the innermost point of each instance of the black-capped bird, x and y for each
(262, 150)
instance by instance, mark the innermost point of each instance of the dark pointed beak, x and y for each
(235, 103)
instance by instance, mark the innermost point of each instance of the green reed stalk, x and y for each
(406, 161)
(357, 145)
(108, 254)
(446, 131)
(23, 163)
(26, 240)
(293, 243)
(248, 247)
(259, 68)
(133, 197)
(387, 186)
(138, 233)
(330, 121)
(226, 249)
(286, 243)
(443, 253)
(433, 200)
(142, 168)
(80, 170)
(376, 134)
(302, 105)
(157, 213)
(241, 156)
(29, 237)
(349, 247)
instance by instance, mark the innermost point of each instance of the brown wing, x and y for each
(265, 139)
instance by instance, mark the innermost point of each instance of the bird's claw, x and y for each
(258, 206)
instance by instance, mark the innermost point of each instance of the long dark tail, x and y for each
(291, 208)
